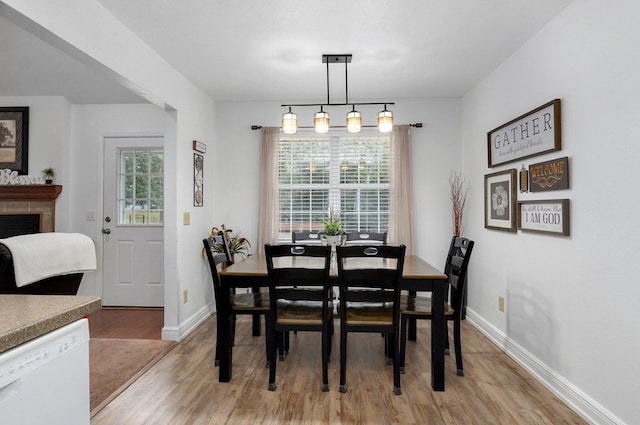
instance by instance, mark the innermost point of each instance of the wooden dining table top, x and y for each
(255, 265)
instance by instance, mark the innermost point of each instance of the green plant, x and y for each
(237, 244)
(333, 223)
(49, 173)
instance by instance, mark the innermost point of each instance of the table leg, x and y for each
(438, 335)
(256, 318)
(256, 325)
(412, 329)
(224, 342)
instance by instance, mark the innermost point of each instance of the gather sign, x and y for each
(530, 134)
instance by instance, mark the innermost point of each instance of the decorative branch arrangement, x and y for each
(458, 199)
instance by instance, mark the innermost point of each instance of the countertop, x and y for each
(25, 317)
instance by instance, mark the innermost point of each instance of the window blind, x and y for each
(348, 173)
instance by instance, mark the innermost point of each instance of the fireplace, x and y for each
(18, 224)
(28, 209)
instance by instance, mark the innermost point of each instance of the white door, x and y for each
(132, 227)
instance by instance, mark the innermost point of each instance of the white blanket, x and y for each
(42, 255)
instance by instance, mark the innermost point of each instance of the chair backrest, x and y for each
(371, 267)
(305, 236)
(298, 272)
(366, 238)
(456, 269)
(217, 251)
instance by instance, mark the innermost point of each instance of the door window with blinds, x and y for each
(140, 186)
(345, 173)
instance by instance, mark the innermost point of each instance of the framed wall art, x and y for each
(199, 147)
(546, 216)
(500, 200)
(549, 175)
(14, 138)
(198, 180)
(533, 133)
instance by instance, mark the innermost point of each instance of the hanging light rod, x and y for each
(353, 117)
(414, 125)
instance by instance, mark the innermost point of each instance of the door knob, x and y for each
(106, 231)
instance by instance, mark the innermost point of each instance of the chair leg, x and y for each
(343, 358)
(388, 351)
(447, 350)
(396, 363)
(458, 347)
(281, 343)
(403, 343)
(272, 343)
(326, 341)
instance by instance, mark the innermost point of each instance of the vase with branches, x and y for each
(458, 198)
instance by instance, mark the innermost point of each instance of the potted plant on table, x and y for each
(49, 173)
(237, 244)
(332, 232)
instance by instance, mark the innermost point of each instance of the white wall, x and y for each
(48, 143)
(570, 301)
(436, 151)
(90, 124)
(104, 43)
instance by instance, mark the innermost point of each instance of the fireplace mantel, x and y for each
(31, 199)
(31, 192)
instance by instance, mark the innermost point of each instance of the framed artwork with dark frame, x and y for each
(546, 216)
(500, 200)
(198, 180)
(14, 138)
(534, 133)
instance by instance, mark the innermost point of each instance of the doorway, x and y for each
(133, 222)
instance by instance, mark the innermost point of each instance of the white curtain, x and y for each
(401, 191)
(268, 187)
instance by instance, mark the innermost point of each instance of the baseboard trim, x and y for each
(178, 333)
(577, 400)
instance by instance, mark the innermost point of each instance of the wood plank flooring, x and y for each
(183, 387)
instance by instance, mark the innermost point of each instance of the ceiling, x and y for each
(272, 49)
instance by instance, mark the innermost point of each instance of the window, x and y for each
(343, 172)
(141, 186)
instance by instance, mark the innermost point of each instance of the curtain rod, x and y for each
(415, 125)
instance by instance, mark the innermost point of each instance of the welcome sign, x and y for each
(531, 134)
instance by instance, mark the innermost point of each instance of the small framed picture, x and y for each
(198, 180)
(545, 216)
(14, 138)
(500, 200)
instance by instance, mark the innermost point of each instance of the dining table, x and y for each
(417, 275)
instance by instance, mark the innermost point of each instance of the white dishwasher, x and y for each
(46, 380)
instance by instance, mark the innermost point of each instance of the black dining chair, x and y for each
(369, 280)
(299, 290)
(252, 303)
(306, 237)
(415, 307)
(367, 238)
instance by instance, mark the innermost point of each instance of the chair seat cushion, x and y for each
(250, 301)
(420, 306)
(369, 313)
(298, 311)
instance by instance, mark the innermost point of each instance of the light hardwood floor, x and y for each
(183, 387)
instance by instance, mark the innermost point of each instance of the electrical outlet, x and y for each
(501, 304)
(185, 296)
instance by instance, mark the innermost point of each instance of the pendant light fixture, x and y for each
(354, 121)
(321, 121)
(289, 122)
(385, 120)
(354, 118)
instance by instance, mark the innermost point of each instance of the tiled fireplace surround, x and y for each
(31, 199)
